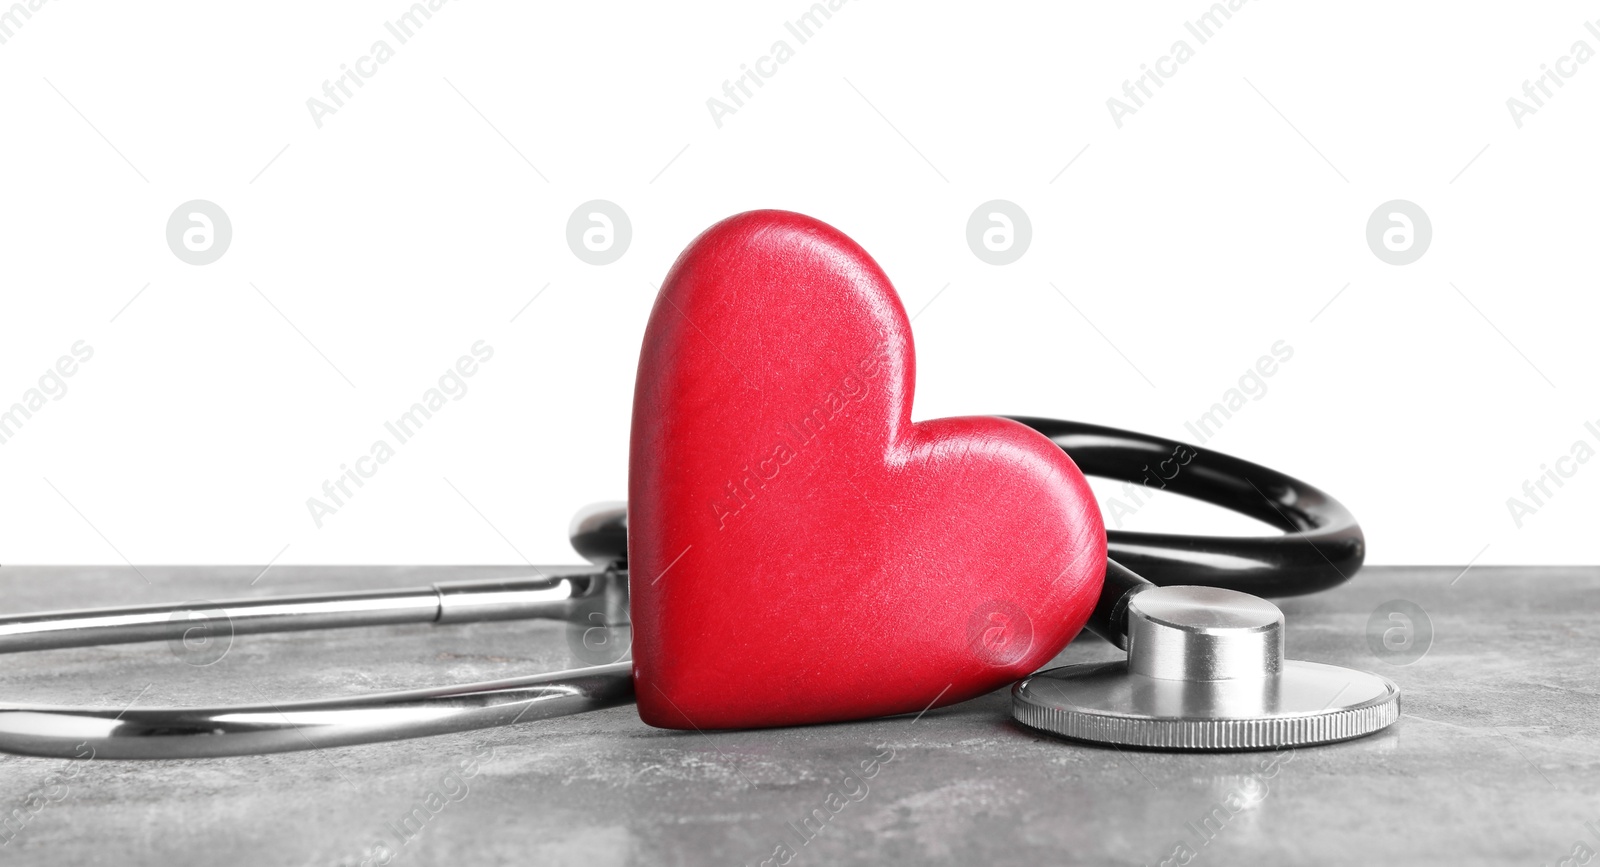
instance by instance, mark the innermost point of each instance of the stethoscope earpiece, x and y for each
(1205, 671)
(599, 533)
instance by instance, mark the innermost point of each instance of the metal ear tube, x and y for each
(552, 593)
(599, 533)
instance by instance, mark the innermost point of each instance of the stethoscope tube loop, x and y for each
(1322, 545)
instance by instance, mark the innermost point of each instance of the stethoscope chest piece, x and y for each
(1205, 671)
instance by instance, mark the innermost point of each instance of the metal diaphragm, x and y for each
(1205, 671)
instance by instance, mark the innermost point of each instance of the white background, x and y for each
(410, 226)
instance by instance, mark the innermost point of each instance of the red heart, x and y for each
(799, 551)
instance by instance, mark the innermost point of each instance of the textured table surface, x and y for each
(1494, 761)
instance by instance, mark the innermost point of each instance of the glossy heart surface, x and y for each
(799, 550)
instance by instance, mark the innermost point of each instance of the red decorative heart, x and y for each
(799, 551)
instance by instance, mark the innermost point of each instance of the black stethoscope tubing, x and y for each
(1321, 548)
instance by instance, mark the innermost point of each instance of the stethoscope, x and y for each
(1204, 669)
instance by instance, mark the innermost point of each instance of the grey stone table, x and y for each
(1494, 761)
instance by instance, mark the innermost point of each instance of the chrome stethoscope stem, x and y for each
(569, 593)
(236, 730)
(550, 594)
